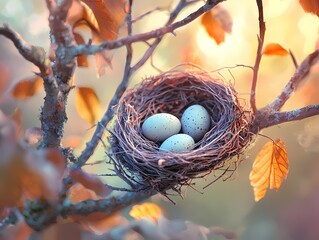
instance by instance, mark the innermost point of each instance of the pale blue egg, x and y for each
(195, 122)
(178, 143)
(160, 126)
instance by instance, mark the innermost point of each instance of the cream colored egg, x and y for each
(178, 143)
(160, 127)
(195, 121)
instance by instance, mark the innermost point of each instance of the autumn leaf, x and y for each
(146, 210)
(82, 60)
(217, 23)
(87, 104)
(311, 6)
(269, 169)
(27, 88)
(275, 49)
(90, 181)
(104, 17)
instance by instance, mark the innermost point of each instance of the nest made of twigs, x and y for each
(138, 159)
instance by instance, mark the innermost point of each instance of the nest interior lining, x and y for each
(138, 160)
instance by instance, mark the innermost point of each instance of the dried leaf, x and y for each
(33, 135)
(146, 210)
(82, 60)
(27, 88)
(217, 23)
(311, 6)
(269, 169)
(109, 15)
(275, 49)
(89, 181)
(87, 104)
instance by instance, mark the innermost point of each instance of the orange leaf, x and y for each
(109, 15)
(89, 181)
(82, 60)
(27, 88)
(87, 104)
(146, 210)
(275, 49)
(311, 6)
(217, 23)
(269, 169)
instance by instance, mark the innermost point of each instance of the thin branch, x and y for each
(179, 7)
(293, 58)
(262, 30)
(108, 206)
(92, 49)
(289, 116)
(301, 72)
(33, 54)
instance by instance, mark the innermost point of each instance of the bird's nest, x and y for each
(138, 159)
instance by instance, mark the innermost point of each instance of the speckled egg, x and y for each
(160, 126)
(178, 143)
(195, 121)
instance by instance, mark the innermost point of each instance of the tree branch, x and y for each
(267, 119)
(56, 86)
(33, 54)
(262, 30)
(108, 206)
(301, 72)
(92, 49)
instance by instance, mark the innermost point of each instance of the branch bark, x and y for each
(261, 37)
(33, 54)
(57, 85)
(265, 118)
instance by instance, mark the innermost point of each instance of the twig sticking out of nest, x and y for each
(138, 160)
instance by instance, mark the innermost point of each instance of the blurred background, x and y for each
(290, 213)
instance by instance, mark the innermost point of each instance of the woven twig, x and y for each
(138, 160)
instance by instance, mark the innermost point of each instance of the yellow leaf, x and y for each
(311, 6)
(269, 169)
(27, 88)
(275, 49)
(146, 210)
(87, 104)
